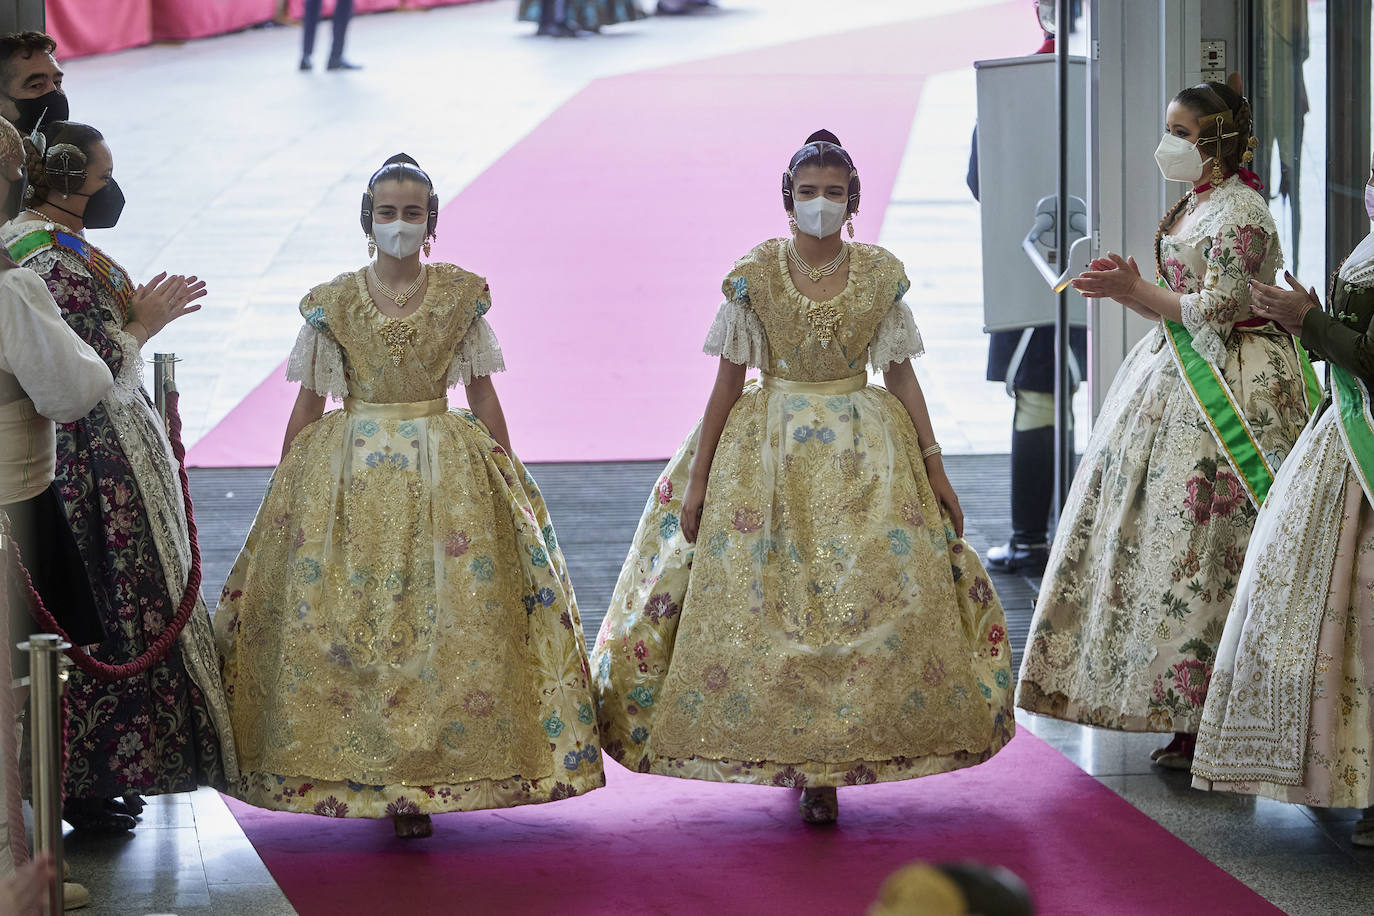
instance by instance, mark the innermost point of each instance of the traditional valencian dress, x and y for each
(166, 730)
(827, 628)
(1153, 535)
(1291, 711)
(399, 633)
(584, 14)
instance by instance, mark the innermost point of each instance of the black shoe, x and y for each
(93, 815)
(342, 64)
(132, 805)
(1016, 556)
(305, 63)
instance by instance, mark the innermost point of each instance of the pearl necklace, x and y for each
(399, 298)
(815, 273)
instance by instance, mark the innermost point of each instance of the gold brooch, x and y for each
(398, 336)
(824, 318)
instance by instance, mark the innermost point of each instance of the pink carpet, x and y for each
(605, 233)
(650, 844)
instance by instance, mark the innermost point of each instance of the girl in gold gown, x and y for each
(799, 607)
(399, 634)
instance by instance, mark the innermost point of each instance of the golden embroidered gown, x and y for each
(827, 628)
(399, 634)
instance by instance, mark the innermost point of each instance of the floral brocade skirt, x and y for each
(827, 628)
(1151, 542)
(399, 634)
(1290, 712)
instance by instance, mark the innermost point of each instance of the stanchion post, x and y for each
(45, 705)
(164, 381)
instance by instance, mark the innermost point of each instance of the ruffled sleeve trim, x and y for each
(479, 354)
(737, 334)
(317, 363)
(1207, 341)
(896, 338)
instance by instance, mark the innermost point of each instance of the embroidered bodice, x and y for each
(349, 347)
(1215, 253)
(766, 322)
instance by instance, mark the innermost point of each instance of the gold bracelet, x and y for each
(931, 450)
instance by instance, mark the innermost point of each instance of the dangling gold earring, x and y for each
(849, 226)
(426, 247)
(371, 247)
(792, 224)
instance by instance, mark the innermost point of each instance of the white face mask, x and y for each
(399, 238)
(1369, 201)
(820, 216)
(1178, 159)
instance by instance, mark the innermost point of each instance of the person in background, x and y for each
(30, 81)
(343, 12)
(1024, 360)
(570, 18)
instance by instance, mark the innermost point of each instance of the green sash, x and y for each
(1357, 426)
(1224, 417)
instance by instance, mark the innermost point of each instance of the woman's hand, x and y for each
(1112, 277)
(24, 891)
(1285, 307)
(944, 492)
(161, 301)
(693, 499)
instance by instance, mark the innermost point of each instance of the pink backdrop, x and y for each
(83, 27)
(177, 20)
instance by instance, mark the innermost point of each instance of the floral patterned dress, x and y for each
(1290, 714)
(166, 730)
(827, 628)
(1154, 532)
(399, 633)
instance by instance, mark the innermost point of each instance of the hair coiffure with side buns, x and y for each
(1224, 121)
(821, 150)
(59, 167)
(401, 167)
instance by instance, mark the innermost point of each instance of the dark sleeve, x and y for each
(972, 178)
(76, 295)
(1332, 341)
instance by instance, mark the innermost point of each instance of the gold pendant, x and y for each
(398, 336)
(815, 275)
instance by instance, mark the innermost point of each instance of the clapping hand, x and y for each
(1285, 307)
(162, 300)
(1115, 278)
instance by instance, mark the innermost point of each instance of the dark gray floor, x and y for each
(596, 506)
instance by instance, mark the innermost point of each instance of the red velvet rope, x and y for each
(156, 652)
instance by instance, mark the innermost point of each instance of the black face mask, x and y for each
(50, 107)
(104, 207)
(14, 200)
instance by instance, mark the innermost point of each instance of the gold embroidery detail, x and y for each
(398, 337)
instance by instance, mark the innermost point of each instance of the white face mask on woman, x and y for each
(1369, 201)
(820, 216)
(399, 238)
(1178, 159)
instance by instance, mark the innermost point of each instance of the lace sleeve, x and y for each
(896, 339)
(317, 363)
(1242, 247)
(737, 335)
(478, 354)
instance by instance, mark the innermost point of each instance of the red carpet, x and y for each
(650, 844)
(605, 233)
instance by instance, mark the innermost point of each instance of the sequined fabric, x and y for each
(1154, 532)
(399, 633)
(827, 628)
